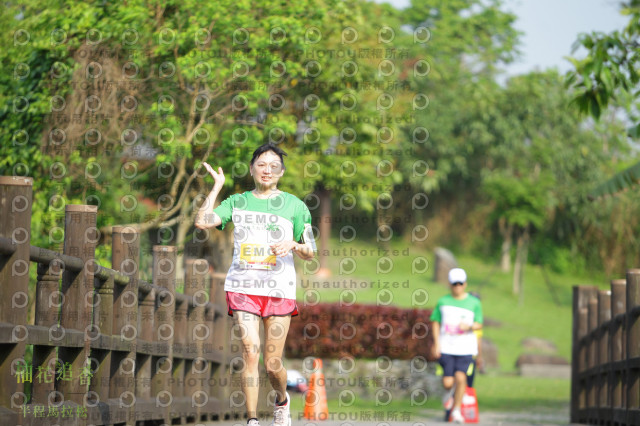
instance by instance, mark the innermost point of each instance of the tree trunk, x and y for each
(381, 220)
(522, 249)
(506, 231)
(324, 228)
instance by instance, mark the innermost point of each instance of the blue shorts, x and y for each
(452, 363)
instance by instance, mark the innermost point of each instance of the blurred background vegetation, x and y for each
(117, 104)
(394, 120)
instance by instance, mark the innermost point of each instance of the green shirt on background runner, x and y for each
(450, 313)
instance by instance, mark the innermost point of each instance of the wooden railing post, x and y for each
(164, 275)
(618, 310)
(48, 303)
(221, 377)
(592, 354)
(581, 297)
(103, 321)
(210, 351)
(125, 258)
(633, 345)
(145, 334)
(80, 239)
(198, 331)
(604, 316)
(179, 348)
(15, 223)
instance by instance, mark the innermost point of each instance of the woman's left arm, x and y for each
(304, 251)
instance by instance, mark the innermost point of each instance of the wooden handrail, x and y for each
(605, 365)
(135, 338)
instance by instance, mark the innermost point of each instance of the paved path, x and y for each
(430, 417)
(497, 420)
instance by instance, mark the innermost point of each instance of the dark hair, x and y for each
(268, 147)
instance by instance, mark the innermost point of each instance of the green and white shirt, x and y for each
(259, 223)
(450, 313)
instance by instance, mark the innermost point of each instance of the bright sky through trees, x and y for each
(550, 28)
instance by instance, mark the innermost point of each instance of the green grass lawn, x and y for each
(537, 315)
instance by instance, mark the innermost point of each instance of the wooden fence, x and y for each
(108, 347)
(605, 365)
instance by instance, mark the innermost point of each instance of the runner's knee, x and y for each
(252, 359)
(447, 381)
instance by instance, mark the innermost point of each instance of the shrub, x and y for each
(361, 331)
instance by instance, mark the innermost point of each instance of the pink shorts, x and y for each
(263, 306)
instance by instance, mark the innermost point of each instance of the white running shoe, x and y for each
(456, 416)
(281, 414)
(253, 422)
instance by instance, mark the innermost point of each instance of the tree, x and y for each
(541, 165)
(609, 75)
(151, 93)
(522, 202)
(470, 39)
(464, 42)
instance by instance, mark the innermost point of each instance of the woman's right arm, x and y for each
(206, 218)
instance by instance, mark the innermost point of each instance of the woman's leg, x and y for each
(276, 329)
(250, 332)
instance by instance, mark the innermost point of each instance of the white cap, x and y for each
(457, 275)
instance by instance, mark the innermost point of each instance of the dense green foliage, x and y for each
(606, 83)
(372, 103)
(609, 73)
(606, 79)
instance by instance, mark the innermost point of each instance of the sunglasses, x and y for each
(457, 283)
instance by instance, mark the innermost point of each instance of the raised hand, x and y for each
(218, 177)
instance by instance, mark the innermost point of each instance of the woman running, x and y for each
(269, 226)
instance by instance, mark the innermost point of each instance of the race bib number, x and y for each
(256, 256)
